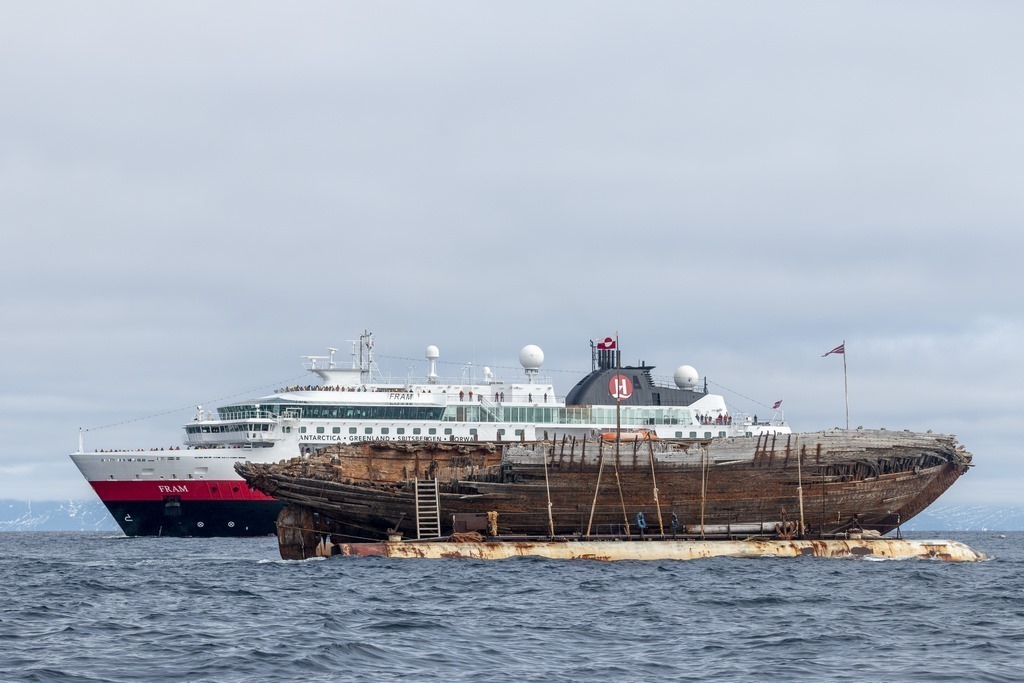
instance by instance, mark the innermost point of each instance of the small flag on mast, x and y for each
(607, 343)
(839, 349)
(776, 405)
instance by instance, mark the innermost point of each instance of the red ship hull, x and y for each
(189, 508)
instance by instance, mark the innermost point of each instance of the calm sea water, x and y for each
(91, 607)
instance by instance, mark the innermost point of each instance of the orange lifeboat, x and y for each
(630, 435)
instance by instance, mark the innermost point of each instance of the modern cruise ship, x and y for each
(193, 490)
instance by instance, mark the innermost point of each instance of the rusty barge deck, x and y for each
(879, 548)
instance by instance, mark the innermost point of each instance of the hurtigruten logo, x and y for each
(620, 387)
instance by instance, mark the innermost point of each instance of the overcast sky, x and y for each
(193, 196)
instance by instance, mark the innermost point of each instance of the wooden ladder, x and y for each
(428, 509)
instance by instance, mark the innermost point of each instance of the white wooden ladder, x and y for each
(428, 509)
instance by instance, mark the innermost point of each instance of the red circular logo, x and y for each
(620, 387)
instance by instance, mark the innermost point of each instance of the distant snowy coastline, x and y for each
(91, 515)
(51, 515)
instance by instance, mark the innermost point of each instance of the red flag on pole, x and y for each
(776, 405)
(606, 344)
(839, 349)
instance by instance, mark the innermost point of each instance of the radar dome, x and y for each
(685, 377)
(531, 357)
(433, 353)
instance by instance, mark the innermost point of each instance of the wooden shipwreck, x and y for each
(787, 485)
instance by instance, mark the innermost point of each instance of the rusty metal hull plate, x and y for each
(950, 551)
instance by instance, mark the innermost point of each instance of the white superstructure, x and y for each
(346, 404)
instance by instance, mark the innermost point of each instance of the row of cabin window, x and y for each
(416, 431)
(340, 412)
(470, 413)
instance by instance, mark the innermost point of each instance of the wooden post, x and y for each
(597, 487)
(657, 504)
(703, 484)
(800, 485)
(547, 486)
(618, 433)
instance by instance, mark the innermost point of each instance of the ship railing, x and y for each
(665, 382)
(225, 415)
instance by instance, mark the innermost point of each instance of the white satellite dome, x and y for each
(432, 353)
(531, 357)
(685, 377)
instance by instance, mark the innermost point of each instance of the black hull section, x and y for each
(196, 518)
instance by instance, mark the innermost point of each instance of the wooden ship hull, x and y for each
(821, 484)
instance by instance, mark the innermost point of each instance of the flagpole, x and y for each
(841, 349)
(846, 388)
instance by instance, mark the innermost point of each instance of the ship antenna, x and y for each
(366, 340)
(354, 352)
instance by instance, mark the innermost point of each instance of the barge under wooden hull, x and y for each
(833, 481)
(880, 548)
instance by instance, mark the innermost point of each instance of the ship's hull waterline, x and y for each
(199, 519)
